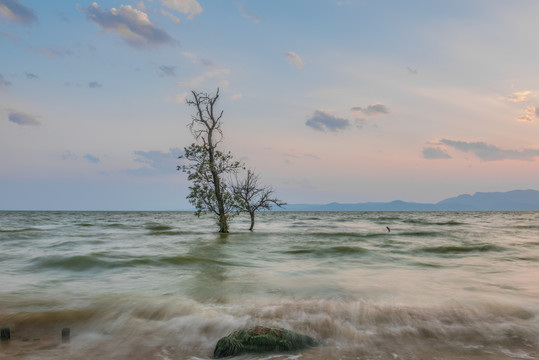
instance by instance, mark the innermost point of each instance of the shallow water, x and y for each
(165, 285)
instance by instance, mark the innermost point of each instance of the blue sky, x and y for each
(347, 101)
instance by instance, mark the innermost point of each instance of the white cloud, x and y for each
(141, 6)
(173, 18)
(236, 96)
(217, 73)
(197, 60)
(132, 25)
(294, 59)
(519, 96)
(14, 10)
(189, 55)
(532, 113)
(197, 81)
(256, 18)
(190, 7)
(179, 98)
(192, 82)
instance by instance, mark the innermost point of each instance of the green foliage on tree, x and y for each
(207, 166)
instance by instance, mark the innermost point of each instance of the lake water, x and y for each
(166, 285)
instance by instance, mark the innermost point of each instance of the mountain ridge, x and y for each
(514, 200)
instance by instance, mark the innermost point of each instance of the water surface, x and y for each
(165, 285)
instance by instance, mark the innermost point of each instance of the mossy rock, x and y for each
(260, 340)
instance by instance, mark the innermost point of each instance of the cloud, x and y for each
(372, 110)
(91, 158)
(173, 18)
(199, 80)
(256, 18)
(435, 153)
(520, 96)
(15, 39)
(236, 96)
(532, 113)
(189, 55)
(32, 76)
(411, 71)
(53, 51)
(180, 98)
(195, 60)
(487, 152)
(217, 73)
(294, 59)
(95, 84)
(4, 82)
(68, 155)
(141, 6)
(23, 119)
(190, 7)
(324, 121)
(156, 162)
(14, 10)
(206, 62)
(131, 24)
(193, 82)
(168, 70)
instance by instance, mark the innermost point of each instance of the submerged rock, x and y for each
(261, 339)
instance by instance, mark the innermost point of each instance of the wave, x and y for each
(450, 223)
(527, 227)
(173, 232)
(331, 251)
(118, 226)
(343, 234)
(85, 224)
(102, 262)
(16, 230)
(439, 223)
(421, 234)
(178, 260)
(158, 227)
(119, 327)
(427, 265)
(462, 249)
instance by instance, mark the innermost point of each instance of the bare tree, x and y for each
(207, 164)
(254, 196)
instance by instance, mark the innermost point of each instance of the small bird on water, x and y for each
(388, 229)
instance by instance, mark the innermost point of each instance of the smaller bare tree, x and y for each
(254, 196)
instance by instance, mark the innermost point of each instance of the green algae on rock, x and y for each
(261, 339)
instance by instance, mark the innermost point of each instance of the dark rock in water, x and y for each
(5, 333)
(66, 332)
(261, 339)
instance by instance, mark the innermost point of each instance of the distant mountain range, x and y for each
(516, 200)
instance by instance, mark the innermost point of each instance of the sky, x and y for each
(328, 101)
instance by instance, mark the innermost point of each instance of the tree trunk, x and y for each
(252, 213)
(223, 224)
